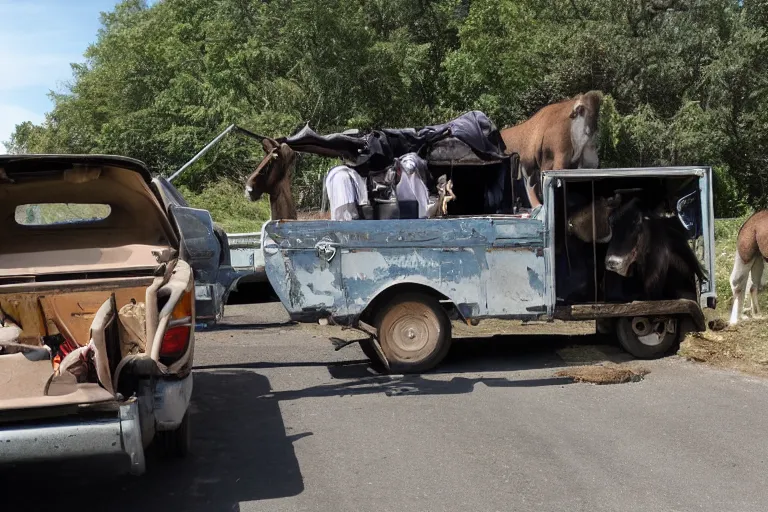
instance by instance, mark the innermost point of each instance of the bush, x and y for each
(229, 207)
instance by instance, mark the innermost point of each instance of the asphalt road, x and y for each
(282, 422)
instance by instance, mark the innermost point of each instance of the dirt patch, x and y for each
(605, 374)
(743, 347)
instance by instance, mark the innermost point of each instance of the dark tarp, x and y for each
(472, 132)
(377, 150)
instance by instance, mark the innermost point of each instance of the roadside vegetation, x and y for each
(228, 206)
(745, 346)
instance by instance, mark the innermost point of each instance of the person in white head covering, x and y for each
(412, 170)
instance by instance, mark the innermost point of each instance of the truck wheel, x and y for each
(414, 333)
(367, 347)
(648, 338)
(175, 443)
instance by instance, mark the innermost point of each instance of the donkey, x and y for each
(751, 252)
(654, 252)
(273, 176)
(559, 136)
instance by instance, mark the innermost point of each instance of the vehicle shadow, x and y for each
(410, 385)
(516, 352)
(245, 327)
(507, 353)
(240, 452)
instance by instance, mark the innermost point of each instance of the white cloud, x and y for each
(10, 116)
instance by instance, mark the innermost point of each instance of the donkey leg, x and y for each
(747, 306)
(756, 275)
(739, 278)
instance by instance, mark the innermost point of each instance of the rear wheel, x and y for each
(414, 333)
(648, 337)
(175, 443)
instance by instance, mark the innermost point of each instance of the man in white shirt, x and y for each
(346, 192)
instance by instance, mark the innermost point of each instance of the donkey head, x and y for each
(631, 240)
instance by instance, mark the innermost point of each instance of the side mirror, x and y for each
(688, 213)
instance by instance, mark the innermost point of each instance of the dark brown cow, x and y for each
(654, 252)
(751, 251)
(273, 176)
(559, 136)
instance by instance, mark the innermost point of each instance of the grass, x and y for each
(745, 346)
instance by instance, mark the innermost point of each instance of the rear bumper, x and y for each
(70, 437)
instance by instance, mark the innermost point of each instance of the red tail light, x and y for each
(175, 341)
(176, 338)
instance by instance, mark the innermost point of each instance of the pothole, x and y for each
(607, 374)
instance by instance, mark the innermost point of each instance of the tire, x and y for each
(414, 333)
(604, 326)
(648, 338)
(367, 347)
(175, 443)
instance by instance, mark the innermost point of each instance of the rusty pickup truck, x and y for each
(403, 281)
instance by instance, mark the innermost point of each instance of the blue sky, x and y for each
(38, 41)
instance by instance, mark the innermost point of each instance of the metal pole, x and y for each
(594, 241)
(202, 152)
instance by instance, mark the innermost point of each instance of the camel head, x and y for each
(271, 171)
(587, 106)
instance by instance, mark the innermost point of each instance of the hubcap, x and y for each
(410, 332)
(651, 332)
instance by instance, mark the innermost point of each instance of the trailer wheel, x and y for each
(414, 333)
(648, 337)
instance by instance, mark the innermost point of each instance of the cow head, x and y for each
(273, 168)
(629, 241)
(580, 223)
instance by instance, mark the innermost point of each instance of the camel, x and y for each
(751, 252)
(273, 176)
(559, 136)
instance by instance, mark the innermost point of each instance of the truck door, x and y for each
(304, 268)
(517, 269)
